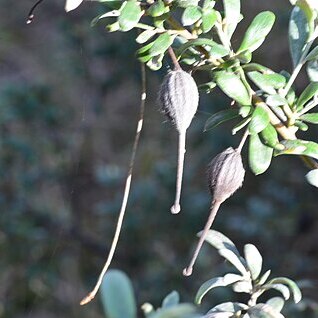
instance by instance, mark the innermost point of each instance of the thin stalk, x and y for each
(31, 12)
(243, 140)
(214, 209)
(93, 293)
(174, 59)
(309, 106)
(181, 151)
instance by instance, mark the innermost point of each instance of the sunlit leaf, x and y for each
(144, 36)
(232, 86)
(310, 91)
(291, 285)
(72, 4)
(267, 82)
(264, 278)
(229, 307)
(257, 31)
(277, 303)
(269, 137)
(253, 259)
(299, 147)
(209, 17)
(264, 311)
(311, 118)
(232, 10)
(276, 100)
(161, 44)
(130, 15)
(279, 287)
(243, 287)
(240, 125)
(259, 121)
(157, 9)
(312, 177)
(191, 15)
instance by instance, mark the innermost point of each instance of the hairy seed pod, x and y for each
(225, 175)
(179, 99)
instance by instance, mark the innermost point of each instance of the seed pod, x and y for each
(225, 175)
(179, 99)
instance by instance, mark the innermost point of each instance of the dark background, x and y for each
(69, 99)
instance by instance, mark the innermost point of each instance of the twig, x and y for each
(240, 146)
(31, 12)
(174, 59)
(92, 294)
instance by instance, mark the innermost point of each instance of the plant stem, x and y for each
(92, 294)
(174, 59)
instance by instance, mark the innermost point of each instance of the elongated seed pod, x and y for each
(179, 99)
(225, 175)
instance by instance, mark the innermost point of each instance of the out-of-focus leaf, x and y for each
(298, 33)
(309, 9)
(259, 121)
(216, 50)
(209, 17)
(157, 9)
(311, 118)
(130, 15)
(291, 285)
(312, 70)
(243, 287)
(178, 311)
(207, 87)
(144, 36)
(232, 9)
(72, 4)
(269, 137)
(233, 87)
(241, 125)
(161, 44)
(186, 3)
(299, 147)
(276, 100)
(235, 260)
(171, 299)
(245, 56)
(301, 125)
(257, 31)
(310, 91)
(109, 14)
(155, 62)
(259, 155)
(191, 15)
(253, 259)
(312, 177)
(219, 315)
(277, 303)
(263, 311)
(117, 295)
(113, 27)
(221, 117)
(228, 279)
(313, 54)
(279, 287)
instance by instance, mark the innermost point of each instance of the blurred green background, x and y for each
(69, 101)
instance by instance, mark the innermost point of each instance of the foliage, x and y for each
(248, 279)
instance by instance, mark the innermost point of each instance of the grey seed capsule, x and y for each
(179, 99)
(225, 175)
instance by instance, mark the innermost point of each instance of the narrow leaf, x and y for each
(253, 259)
(264, 278)
(233, 87)
(311, 118)
(279, 287)
(259, 155)
(234, 260)
(259, 121)
(310, 91)
(291, 285)
(178, 311)
(161, 44)
(257, 31)
(221, 117)
(144, 36)
(232, 9)
(240, 125)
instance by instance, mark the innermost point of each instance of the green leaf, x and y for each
(313, 54)
(269, 137)
(233, 87)
(221, 117)
(240, 125)
(235, 260)
(259, 121)
(312, 177)
(178, 311)
(155, 62)
(298, 34)
(257, 67)
(276, 100)
(257, 31)
(263, 311)
(267, 82)
(299, 147)
(209, 17)
(301, 125)
(161, 44)
(228, 307)
(171, 299)
(186, 3)
(110, 14)
(191, 15)
(291, 285)
(228, 279)
(310, 91)
(311, 118)
(253, 259)
(259, 155)
(220, 241)
(117, 295)
(157, 9)
(310, 12)
(72, 4)
(146, 35)
(216, 50)
(276, 303)
(245, 57)
(232, 9)
(113, 27)
(130, 15)
(312, 70)
(207, 87)
(158, 22)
